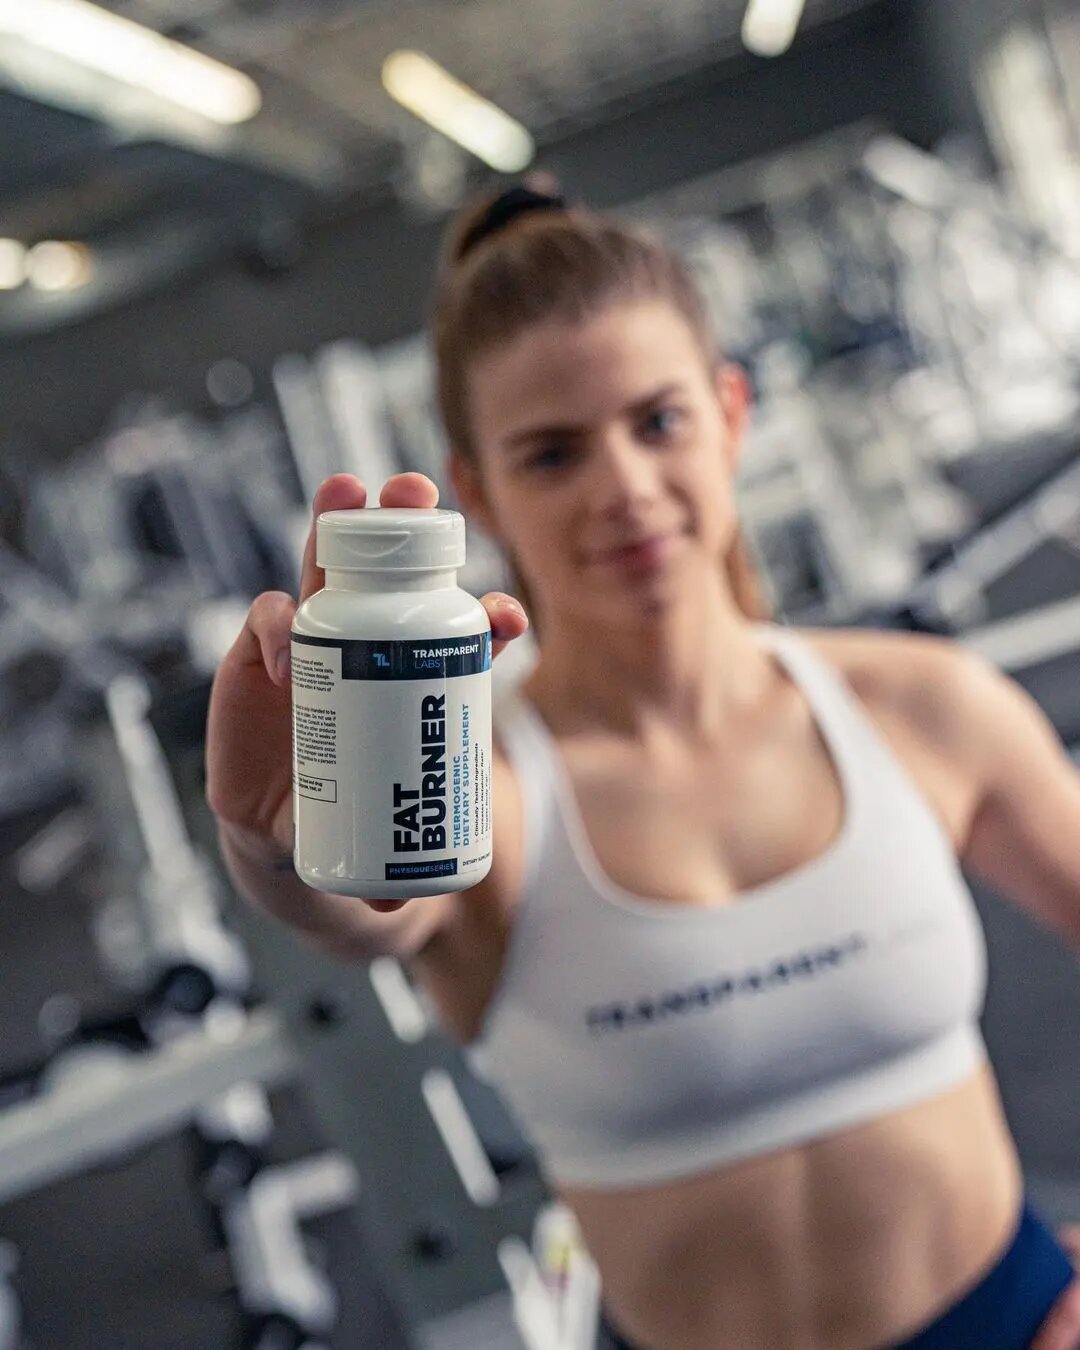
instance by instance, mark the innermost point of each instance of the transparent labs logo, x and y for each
(714, 993)
(381, 660)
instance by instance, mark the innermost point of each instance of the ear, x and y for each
(733, 392)
(469, 489)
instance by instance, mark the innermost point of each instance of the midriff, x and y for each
(851, 1242)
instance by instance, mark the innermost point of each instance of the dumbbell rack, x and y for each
(174, 1053)
(441, 1190)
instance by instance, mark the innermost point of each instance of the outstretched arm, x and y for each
(1025, 831)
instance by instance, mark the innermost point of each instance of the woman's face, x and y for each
(606, 450)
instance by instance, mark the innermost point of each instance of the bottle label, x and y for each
(392, 757)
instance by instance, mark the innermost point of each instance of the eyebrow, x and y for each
(529, 434)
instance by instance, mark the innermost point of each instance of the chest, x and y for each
(703, 831)
(697, 834)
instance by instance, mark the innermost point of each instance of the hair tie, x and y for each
(516, 201)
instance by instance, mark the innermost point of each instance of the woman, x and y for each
(724, 968)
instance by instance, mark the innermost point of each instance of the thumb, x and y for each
(265, 637)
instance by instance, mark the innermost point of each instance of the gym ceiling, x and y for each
(150, 192)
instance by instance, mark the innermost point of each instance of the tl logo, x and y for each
(381, 659)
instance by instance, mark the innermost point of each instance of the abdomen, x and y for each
(840, 1244)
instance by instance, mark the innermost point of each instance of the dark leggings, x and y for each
(1004, 1311)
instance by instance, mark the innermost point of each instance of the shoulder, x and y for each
(941, 691)
(881, 660)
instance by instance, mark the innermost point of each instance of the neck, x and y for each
(695, 664)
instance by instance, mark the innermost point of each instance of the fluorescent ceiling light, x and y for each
(91, 37)
(769, 26)
(56, 266)
(12, 264)
(434, 95)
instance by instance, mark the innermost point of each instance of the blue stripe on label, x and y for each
(411, 659)
(402, 871)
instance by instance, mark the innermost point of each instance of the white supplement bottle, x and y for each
(391, 689)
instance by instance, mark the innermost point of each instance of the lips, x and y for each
(646, 552)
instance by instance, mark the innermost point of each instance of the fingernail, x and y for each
(510, 603)
(282, 662)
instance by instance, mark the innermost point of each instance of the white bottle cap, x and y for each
(383, 538)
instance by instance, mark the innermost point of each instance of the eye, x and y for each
(549, 457)
(663, 423)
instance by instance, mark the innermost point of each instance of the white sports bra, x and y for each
(637, 1040)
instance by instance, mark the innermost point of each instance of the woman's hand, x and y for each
(1061, 1330)
(249, 725)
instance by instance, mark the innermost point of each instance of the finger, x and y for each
(264, 639)
(1061, 1330)
(340, 492)
(409, 489)
(386, 906)
(508, 620)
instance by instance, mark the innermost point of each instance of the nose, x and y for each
(623, 476)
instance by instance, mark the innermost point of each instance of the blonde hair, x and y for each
(562, 263)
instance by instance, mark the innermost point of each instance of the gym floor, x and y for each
(122, 1258)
